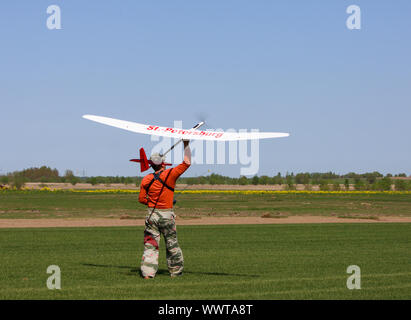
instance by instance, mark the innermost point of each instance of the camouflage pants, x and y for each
(161, 222)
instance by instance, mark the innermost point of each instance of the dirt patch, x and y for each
(101, 222)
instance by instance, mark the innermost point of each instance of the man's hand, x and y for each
(187, 152)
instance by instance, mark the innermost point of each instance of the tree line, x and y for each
(46, 174)
(325, 181)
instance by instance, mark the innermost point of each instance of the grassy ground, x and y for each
(36, 204)
(222, 262)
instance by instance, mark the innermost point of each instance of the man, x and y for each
(157, 192)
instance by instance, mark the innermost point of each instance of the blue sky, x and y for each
(288, 66)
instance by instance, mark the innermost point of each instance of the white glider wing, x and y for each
(184, 134)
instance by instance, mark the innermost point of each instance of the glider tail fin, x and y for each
(144, 165)
(144, 162)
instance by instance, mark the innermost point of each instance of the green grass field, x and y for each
(221, 262)
(36, 204)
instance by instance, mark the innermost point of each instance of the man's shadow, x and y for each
(133, 271)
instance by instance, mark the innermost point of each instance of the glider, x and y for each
(182, 134)
(177, 133)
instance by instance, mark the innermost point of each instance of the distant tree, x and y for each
(264, 180)
(92, 180)
(18, 181)
(384, 184)
(315, 178)
(128, 180)
(243, 181)
(351, 175)
(289, 181)
(68, 174)
(215, 179)
(347, 184)
(4, 179)
(70, 177)
(358, 184)
(42, 174)
(255, 180)
(371, 177)
(367, 185)
(329, 175)
(324, 185)
(74, 180)
(302, 178)
(336, 186)
(278, 179)
(44, 179)
(400, 185)
(189, 181)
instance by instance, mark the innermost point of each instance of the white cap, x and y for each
(157, 159)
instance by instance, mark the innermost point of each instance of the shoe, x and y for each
(176, 275)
